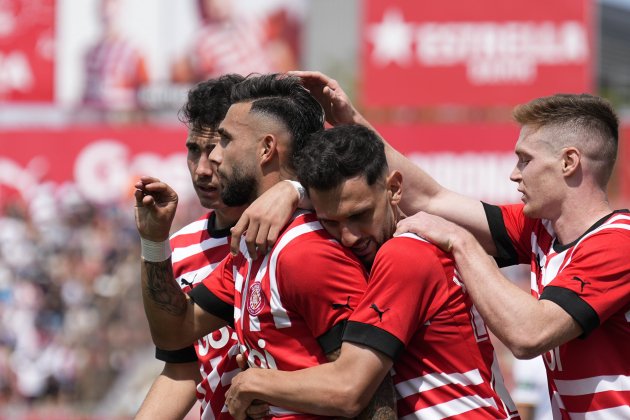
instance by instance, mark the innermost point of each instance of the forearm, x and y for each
(172, 394)
(170, 312)
(340, 388)
(528, 327)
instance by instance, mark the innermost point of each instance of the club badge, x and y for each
(255, 299)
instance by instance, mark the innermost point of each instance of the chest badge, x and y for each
(255, 299)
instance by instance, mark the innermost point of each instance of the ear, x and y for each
(571, 158)
(268, 147)
(394, 186)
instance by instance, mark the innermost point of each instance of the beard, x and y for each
(238, 189)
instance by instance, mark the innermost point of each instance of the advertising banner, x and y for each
(486, 52)
(27, 50)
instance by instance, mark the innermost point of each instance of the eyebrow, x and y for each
(224, 133)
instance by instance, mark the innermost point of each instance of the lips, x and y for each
(363, 249)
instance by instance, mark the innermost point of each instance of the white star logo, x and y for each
(392, 39)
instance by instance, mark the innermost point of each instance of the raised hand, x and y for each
(330, 95)
(155, 208)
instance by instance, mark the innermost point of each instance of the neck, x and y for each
(228, 216)
(578, 215)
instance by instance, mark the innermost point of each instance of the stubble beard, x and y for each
(239, 189)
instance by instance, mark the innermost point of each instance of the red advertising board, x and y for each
(102, 163)
(484, 52)
(27, 49)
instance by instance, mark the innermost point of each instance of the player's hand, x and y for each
(155, 208)
(435, 229)
(239, 401)
(330, 95)
(263, 220)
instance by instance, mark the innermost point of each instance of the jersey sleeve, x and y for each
(595, 283)
(328, 284)
(511, 232)
(215, 294)
(407, 286)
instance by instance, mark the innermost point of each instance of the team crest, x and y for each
(255, 299)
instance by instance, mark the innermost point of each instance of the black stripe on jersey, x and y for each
(186, 355)
(210, 303)
(506, 254)
(575, 306)
(331, 339)
(374, 337)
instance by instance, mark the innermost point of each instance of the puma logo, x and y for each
(378, 311)
(582, 283)
(185, 282)
(342, 305)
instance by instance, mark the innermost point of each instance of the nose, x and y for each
(204, 166)
(349, 236)
(515, 175)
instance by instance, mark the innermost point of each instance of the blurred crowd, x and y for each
(71, 317)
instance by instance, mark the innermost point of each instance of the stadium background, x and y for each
(89, 93)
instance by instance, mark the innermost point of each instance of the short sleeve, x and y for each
(328, 282)
(511, 232)
(215, 294)
(407, 287)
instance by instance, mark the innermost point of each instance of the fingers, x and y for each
(237, 231)
(241, 362)
(258, 409)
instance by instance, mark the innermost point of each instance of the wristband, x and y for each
(155, 251)
(299, 188)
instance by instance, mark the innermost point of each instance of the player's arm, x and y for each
(174, 320)
(527, 326)
(343, 387)
(173, 392)
(422, 192)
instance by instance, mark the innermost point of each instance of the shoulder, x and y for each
(198, 225)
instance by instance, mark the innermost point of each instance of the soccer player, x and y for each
(197, 250)
(577, 246)
(289, 307)
(565, 229)
(415, 315)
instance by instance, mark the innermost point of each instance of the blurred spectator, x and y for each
(530, 392)
(230, 42)
(71, 318)
(114, 68)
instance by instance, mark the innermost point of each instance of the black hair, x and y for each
(285, 99)
(208, 102)
(337, 154)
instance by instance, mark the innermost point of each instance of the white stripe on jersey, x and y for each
(451, 408)
(412, 236)
(435, 380)
(195, 276)
(182, 253)
(608, 225)
(280, 315)
(593, 385)
(194, 227)
(621, 412)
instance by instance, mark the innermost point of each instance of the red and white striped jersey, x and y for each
(197, 250)
(114, 70)
(288, 308)
(589, 377)
(417, 312)
(230, 47)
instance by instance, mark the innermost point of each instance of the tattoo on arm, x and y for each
(382, 406)
(162, 288)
